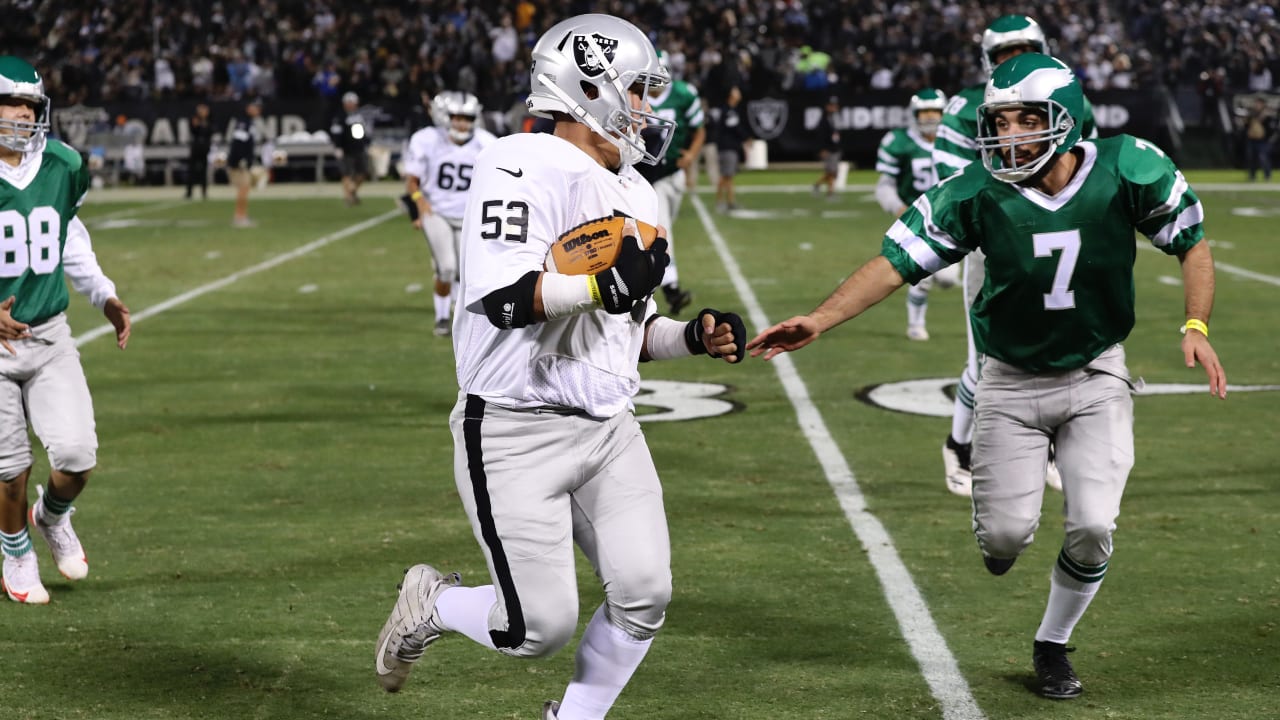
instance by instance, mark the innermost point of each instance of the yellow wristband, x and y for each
(594, 288)
(1194, 324)
(417, 195)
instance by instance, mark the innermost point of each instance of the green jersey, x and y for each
(907, 157)
(33, 232)
(955, 147)
(1059, 284)
(679, 101)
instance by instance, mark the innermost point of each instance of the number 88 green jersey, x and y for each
(37, 201)
(1059, 288)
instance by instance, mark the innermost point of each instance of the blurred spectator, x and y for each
(1259, 129)
(733, 137)
(198, 159)
(351, 132)
(829, 141)
(241, 159)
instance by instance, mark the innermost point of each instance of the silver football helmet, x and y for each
(1008, 31)
(19, 79)
(450, 103)
(586, 67)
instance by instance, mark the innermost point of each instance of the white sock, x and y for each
(465, 610)
(917, 306)
(606, 659)
(962, 414)
(1068, 599)
(442, 305)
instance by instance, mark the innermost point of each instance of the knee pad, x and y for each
(646, 609)
(545, 633)
(1089, 544)
(1007, 541)
(73, 458)
(444, 254)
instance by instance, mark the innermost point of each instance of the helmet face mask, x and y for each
(588, 67)
(1011, 31)
(1036, 83)
(21, 84)
(454, 104)
(926, 100)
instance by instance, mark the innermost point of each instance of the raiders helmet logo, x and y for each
(583, 54)
(768, 117)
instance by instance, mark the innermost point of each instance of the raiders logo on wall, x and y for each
(768, 117)
(590, 64)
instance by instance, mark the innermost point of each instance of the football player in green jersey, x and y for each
(905, 163)
(1055, 215)
(678, 102)
(42, 245)
(1006, 37)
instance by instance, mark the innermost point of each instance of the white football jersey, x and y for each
(444, 168)
(528, 189)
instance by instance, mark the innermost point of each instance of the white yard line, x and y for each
(1143, 244)
(937, 664)
(293, 254)
(129, 212)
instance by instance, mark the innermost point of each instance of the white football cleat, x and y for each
(956, 463)
(413, 624)
(917, 332)
(549, 710)
(68, 553)
(21, 579)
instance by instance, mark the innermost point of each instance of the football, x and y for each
(594, 246)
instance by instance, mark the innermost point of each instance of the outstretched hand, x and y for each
(786, 336)
(1196, 348)
(11, 329)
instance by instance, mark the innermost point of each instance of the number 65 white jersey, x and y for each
(443, 168)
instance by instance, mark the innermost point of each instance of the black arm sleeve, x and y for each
(512, 306)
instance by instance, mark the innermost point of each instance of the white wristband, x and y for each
(665, 339)
(565, 295)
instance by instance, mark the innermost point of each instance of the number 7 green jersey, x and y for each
(37, 201)
(1059, 288)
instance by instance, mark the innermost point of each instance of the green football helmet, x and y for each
(19, 80)
(1008, 31)
(1035, 82)
(927, 99)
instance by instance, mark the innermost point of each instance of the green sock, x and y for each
(54, 506)
(15, 544)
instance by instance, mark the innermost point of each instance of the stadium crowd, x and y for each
(101, 50)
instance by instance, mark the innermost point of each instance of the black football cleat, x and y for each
(677, 298)
(1056, 678)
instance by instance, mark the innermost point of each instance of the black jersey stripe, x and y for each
(514, 635)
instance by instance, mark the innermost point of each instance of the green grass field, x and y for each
(275, 451)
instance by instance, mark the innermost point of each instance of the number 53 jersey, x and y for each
(530, 188)
(38, 199)
(1059, 288)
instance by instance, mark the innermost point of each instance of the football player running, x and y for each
(1006, 37)
(1055, 215)
(42, 183)
(905, 163)
(438, 165)
(677, 101)
(548, 451)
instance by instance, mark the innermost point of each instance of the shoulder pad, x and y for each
(64, 152)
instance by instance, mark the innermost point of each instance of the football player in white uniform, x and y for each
(438, 162)
(548, 451)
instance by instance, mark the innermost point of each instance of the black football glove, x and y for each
(634, 277)
(410, 207)
(693, 333)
